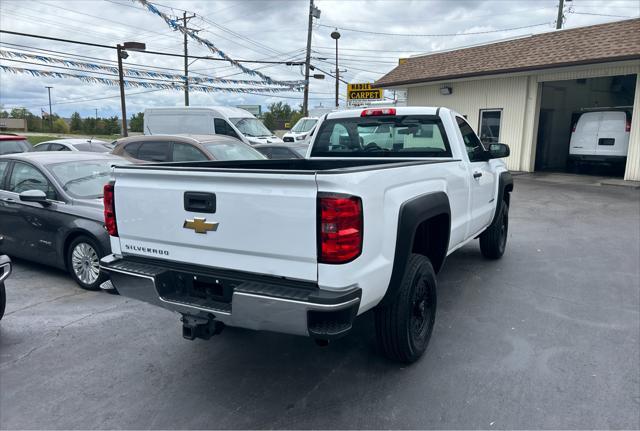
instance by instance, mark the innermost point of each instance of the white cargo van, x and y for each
(217, 120)
(600, 137)
(302, 132)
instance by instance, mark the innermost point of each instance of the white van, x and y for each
(302, 132)
(600, 136)
(217, 120)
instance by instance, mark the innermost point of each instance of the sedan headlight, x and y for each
(301, 137)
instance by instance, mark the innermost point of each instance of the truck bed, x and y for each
(297, 166)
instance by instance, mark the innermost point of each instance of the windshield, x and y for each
(233, 151)
(84, 179)
(384, 136)
(251, 127)
(17, 146)
(304, 125)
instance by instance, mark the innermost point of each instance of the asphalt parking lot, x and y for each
(547, 337)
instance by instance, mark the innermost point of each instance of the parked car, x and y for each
(51, 210)
(73, 144)
(5, 270)
(183, 148)
(600, 137)
(302, 131)
(218, 120)
(304, 246)
(283, 151)
(10, 144)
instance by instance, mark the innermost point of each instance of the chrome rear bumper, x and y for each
(239, 299)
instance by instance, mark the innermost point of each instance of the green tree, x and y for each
(89, 126)
(76, 122)
(18, 113)
(60, 126)
(112, 126)
(4, 114)
(136, 123)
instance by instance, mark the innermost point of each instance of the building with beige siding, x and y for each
(528, 92)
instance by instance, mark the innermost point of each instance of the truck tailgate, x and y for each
(266, 221)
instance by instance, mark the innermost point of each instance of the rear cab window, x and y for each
(382, 136)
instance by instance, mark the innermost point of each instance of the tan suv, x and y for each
(183, 148)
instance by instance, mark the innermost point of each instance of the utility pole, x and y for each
(96, 114)
(314, 12)
(560, 15)
(185, 19)
(123, 105)
(50, 117)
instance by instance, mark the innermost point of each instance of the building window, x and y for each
(490, 125)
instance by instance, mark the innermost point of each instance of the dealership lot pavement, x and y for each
(547, 337)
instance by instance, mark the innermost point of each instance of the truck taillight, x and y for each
(110, 209)
(377, 112)
(339, 228)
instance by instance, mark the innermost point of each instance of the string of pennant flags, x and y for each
(138, 73)
(173, 23)
(137, 84)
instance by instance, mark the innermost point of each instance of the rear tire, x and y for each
(83, 258)
(404, 326)
(493, 241)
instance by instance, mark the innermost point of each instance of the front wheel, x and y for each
(404, 326)
(493, 241)
(83, 260)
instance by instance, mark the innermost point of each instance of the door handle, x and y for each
(477, 174)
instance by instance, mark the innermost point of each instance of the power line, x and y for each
(599, 14)
(434, 34)
(77, 42)
(72, 101)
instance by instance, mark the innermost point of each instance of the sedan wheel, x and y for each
(84, 263)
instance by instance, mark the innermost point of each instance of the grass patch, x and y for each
(33, 140)
(36, 139)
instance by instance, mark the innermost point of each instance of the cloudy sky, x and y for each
(258, 29)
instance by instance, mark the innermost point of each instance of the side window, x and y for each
(132, 149)
(58, 147)
(490, 126)
(475, 150)
(154, 151)
(3, 170)
(186, 153)
(223, 128)
(25, 177)
(41, 147)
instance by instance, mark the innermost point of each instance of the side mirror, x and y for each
(34, 196)
(498, 151)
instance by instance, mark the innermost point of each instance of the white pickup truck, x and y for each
(304, 246)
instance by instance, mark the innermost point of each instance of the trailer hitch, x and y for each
(200, 327)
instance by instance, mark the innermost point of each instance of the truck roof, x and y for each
(400, 110)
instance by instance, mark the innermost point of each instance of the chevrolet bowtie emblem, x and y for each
(200, 225)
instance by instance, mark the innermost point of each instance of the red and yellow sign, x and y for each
(363, 92)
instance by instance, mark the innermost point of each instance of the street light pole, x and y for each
(336, 35)
(50, 117)
(122, 54)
